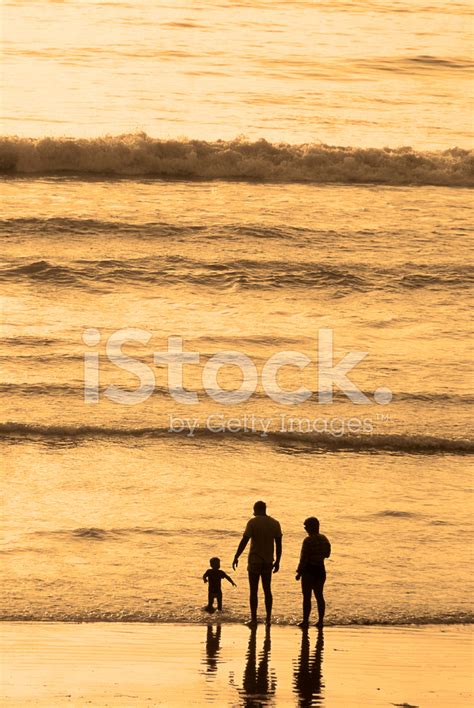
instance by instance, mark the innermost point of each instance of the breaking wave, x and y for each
(135, 155)
(286, 441)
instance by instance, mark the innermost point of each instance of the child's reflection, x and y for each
(213, 639)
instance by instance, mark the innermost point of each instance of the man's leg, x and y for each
(253, 584)
(318, 592)
(267, 589)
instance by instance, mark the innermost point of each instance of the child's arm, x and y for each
(204, 577)
(227, 577)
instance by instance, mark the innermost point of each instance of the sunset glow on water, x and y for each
(242, 175)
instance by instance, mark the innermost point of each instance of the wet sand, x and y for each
(120, 664)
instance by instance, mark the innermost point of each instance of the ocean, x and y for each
(245, 177)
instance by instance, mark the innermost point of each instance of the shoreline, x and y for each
(214, 618)
(134, 664)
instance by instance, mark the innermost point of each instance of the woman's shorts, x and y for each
(313, 577)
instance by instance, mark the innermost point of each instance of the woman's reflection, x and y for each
(308, 683)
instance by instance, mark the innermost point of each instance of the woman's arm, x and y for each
(327, 547)
(304, 557)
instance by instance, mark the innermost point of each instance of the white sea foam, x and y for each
(139, 155)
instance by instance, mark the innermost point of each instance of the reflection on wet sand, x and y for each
(308, 682)
(213, 640)
(259, 681)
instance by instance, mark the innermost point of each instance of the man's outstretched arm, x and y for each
(278, 548)
(242, 545)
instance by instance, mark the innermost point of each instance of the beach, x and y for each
(120, 664)
(236, 266)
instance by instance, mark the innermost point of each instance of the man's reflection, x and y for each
(213, 639)
(308, 683)
(259, 681)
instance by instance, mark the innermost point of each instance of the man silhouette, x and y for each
(264, 532)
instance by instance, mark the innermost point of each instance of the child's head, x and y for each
(311, 525)
(215, 563)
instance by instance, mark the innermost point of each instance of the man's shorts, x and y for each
(257, 566)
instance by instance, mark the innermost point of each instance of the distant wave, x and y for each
(286, 441)
(77, 390)
(99, 534)
(65, 226)
(239, 274)
(61, 227)
(136, 155)
(396, 514)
